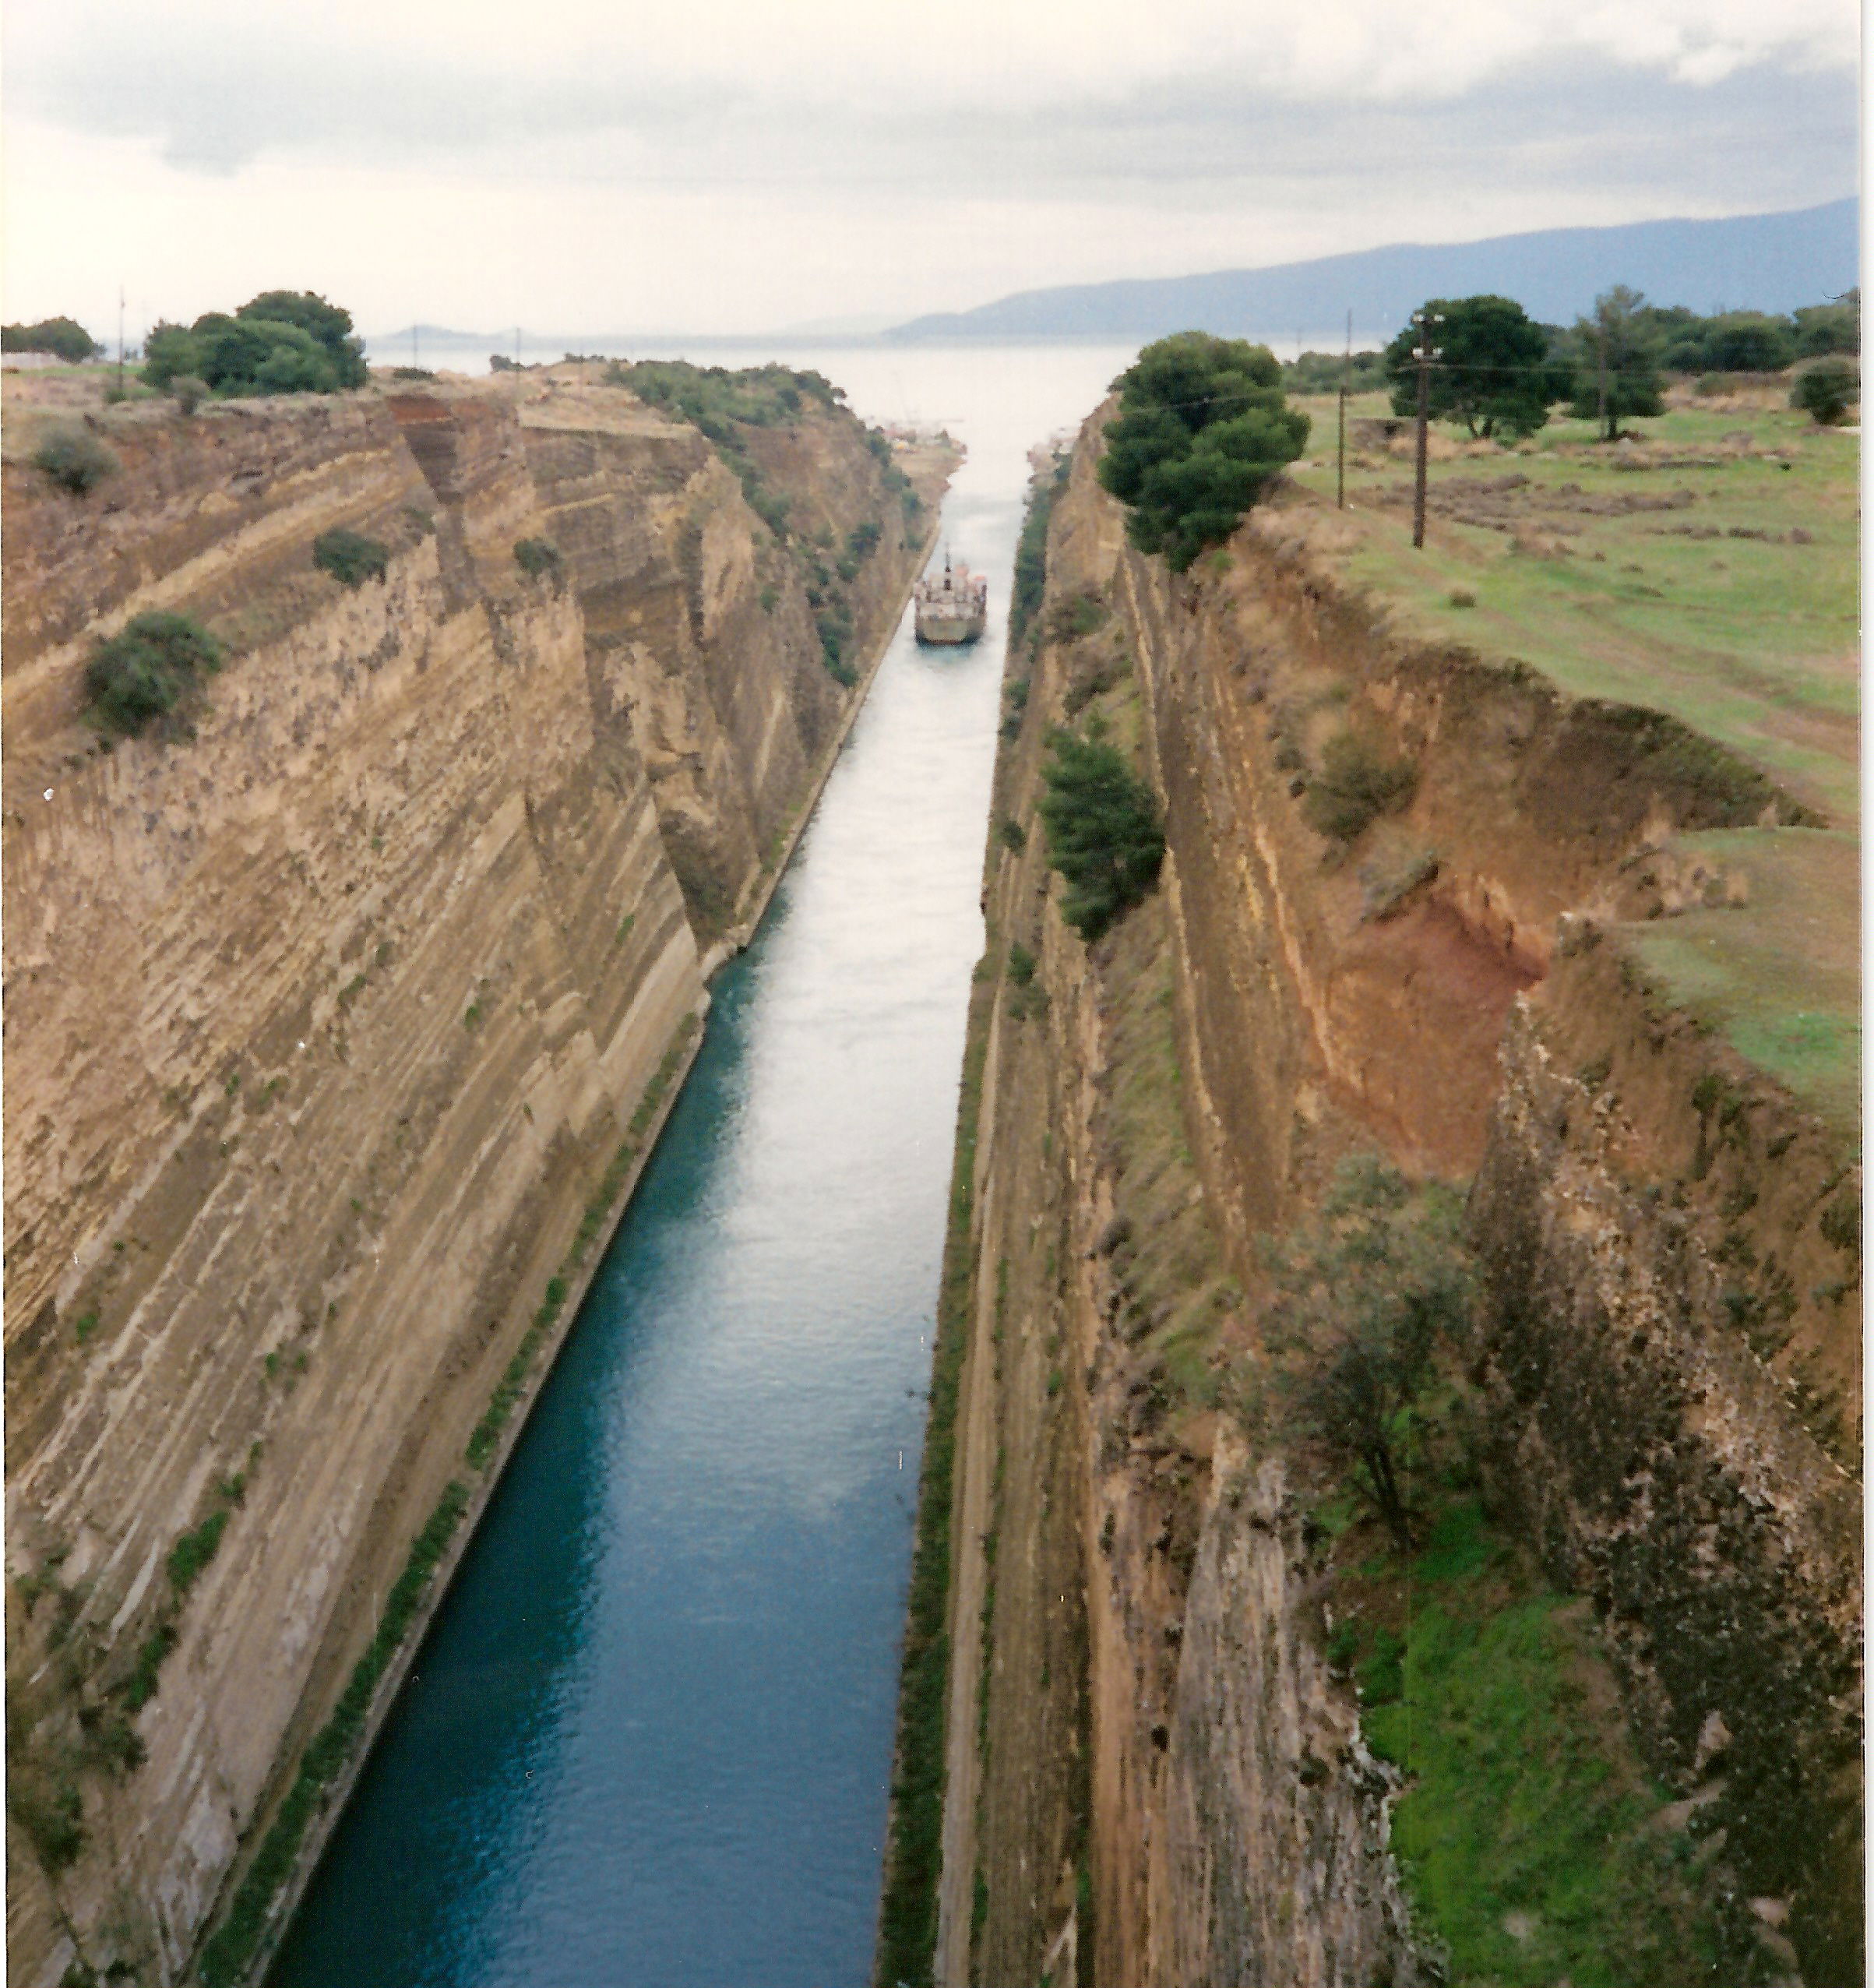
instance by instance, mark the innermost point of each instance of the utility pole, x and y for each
(120, 341)
(1347, 381)
(1425, 353)
(1601, 351)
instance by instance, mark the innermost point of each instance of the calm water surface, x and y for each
(647, 1742)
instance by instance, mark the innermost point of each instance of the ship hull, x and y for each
(948, 633)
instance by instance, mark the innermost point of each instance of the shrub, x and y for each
(1078, 615)
(188, 391)
(349, 557)
(834, 622)
(1105, 835)
(75, 459)
(538, 558)
(140, 1687)
(1732, 342)
(1203, 428)
(1012, 833)
(193, 1550)
(1363, 1296)
(52, 1818)
(1833, 327)
(65, 338)
(1461, 596)
(1356, 784)
(1826, 391)
(1031, 550)
(148, 670)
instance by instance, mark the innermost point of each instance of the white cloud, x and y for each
(735, 163)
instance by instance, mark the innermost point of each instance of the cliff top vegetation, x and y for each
(283, 341)
(65, 338)
(713, 398)
(1203, 429)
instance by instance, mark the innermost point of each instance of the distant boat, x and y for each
(953, 609)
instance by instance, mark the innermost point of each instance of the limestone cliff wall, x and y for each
(1441, 993)
(324, 1016)
(700, 634)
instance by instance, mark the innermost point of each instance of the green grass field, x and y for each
(1709, 570)
(1780, 977)
(1752, 640)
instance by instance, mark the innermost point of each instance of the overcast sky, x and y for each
(736, 165)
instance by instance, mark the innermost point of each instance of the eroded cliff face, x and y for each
(325, 1017)
(1155, 1774)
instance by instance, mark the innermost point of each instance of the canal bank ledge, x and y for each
(554, 1323)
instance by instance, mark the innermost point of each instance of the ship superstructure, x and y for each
(953, 608)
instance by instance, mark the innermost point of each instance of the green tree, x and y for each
(283, 341)
(1826, 391)
(1831, 327)
(170, 352)
(1365, 1295)
(258, 356)
(1105, 835)
(1738, 341)
(1492, 373)
(1615, 351)
(66, 338)
(1203, 427)
(328, 324)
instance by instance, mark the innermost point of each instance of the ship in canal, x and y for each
(953, 609)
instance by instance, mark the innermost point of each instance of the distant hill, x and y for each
(1749, 262)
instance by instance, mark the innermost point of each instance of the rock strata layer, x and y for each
(1154, 1774)
(326, 1011)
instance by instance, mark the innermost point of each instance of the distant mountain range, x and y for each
(1749, 262)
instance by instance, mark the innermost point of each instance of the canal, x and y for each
(646, 1742)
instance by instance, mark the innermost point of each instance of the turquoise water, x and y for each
(647, 1741)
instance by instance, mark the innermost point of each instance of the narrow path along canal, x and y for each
(647, 1743)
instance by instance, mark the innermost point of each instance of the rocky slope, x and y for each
(1155, 1770)
(327, 1015)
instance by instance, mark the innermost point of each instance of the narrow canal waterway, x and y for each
(647, 1743)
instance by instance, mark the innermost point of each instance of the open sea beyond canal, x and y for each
(647, 1741)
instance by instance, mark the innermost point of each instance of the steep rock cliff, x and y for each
(1153, 1106)
(326, 1015)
